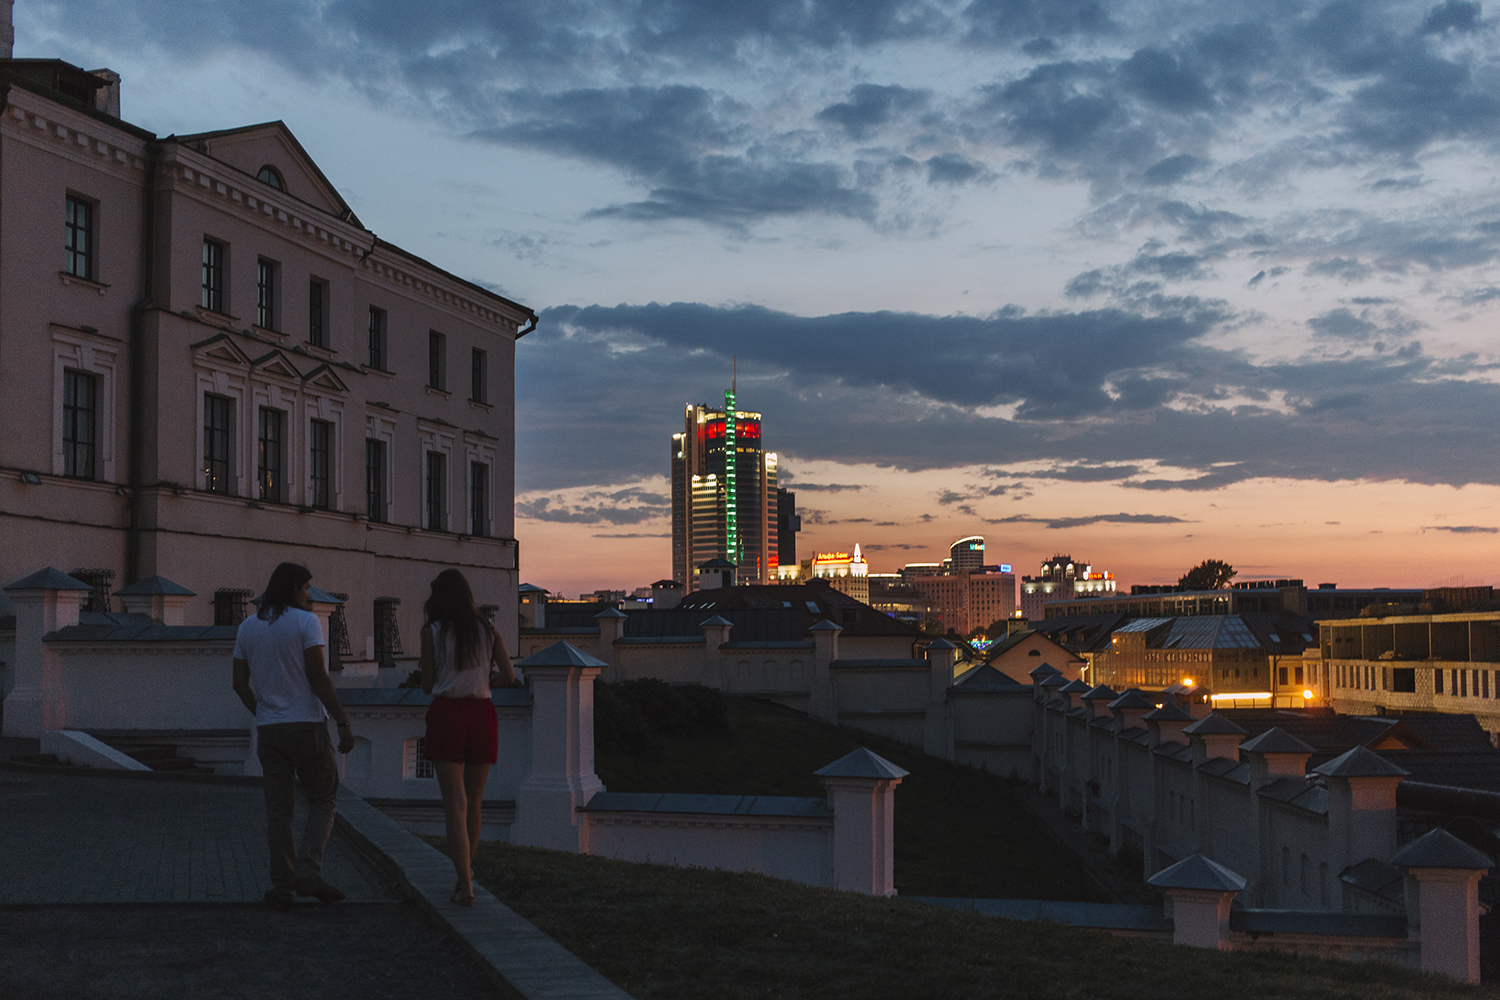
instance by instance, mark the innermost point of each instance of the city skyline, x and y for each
(1151, 282)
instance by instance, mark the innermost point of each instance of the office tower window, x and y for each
(218, 439)
(317, 312)
(78, 243)
(213, 275)
(320, 440)
(437, 360)
(437, 469)
(80, 423)
(267, 294)
(377, 359)
(479, 500)
(270, 454)
(479, 392)
(375, 480)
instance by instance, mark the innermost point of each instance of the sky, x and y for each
(1142, 282)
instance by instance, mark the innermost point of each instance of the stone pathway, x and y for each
(82, 839)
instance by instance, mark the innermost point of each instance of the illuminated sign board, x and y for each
(1005, 567)
(714, 429)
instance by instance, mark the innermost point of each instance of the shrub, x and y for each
(630, 715)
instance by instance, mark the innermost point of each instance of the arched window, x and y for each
(270, 175)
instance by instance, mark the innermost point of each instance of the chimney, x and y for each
(107, 98)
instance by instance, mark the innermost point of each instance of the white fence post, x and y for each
(1442, 901)
(562, 775)
(861, 791)
(1199, 892)
(45, 601)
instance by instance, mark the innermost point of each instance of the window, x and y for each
(375, 480)
(1404, 679)
(387, 635)
(377, 339)
(479, 500)
(436, 473)
(80, 423)
(230, 605)
(321, 440)
(417, 765)
(270, 464)
(317, 312)
(267, 300)
(78, 249)
(218, 434)
(437, 361)
(479, 393)
(213, 276)
(270, 175)
(1437, 682)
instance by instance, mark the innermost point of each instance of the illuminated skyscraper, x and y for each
(723, 494)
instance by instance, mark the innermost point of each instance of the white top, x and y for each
(278, 675)
(452, 682)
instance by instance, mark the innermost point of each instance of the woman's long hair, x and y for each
(281, 592)
(452, 604)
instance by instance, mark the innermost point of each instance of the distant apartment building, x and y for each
(212, 365)
(1062, 577)
(1255, 596)
(724, 495)
(788, 524)
(848, 573)
(1447, 663)
(962, 592)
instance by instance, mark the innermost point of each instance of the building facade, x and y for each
(724, 495)
(208, 365)
(1061, 578)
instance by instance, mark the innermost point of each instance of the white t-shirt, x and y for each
(473, 682)
(278, 675)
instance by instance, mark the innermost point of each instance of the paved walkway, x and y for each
(76, 839)
(87, 862)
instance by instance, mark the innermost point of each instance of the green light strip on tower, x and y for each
(731, 529)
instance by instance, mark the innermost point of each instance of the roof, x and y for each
(561, 654)
(1473, 769)
(1169, 712)
(1102, 691)
(1075, 686)
(1042, 669)
(985, 676)
(1440, 849)
(1275, 740)
(1360, 763)
(50, 578)
(1198, 872)
(861, 763)
(611, 613)
(853, 616)
(153, 586)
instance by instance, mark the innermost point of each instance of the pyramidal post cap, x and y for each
(1360, 762)
(1275, 740)
(1169, 712)
(1441, 849)
(823, 626)
(1102, 691)
(941, 643)
(715, 620)
(151, 586)
(611, 613)
(861, 763)
(1197, 872)
(561, 654)
(1213, 724)
(50, 578)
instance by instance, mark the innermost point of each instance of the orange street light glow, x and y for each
(1242, 695)
(1307, 695)
(1187, 682)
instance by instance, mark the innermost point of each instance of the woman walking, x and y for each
(458, 650)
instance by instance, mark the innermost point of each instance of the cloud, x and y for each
(1080, 522)
(1454, 15)
(633, 534)
(623, 506)
(801, 487)
(870, 107)
(1174, 168)
(1462, 529)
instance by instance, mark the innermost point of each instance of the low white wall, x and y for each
(142, 686)
(799, 850)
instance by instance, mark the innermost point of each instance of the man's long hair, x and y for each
(452, 605)
(281, 592)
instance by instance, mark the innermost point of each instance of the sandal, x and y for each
(463, 894)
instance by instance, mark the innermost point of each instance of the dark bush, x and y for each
(630, 715)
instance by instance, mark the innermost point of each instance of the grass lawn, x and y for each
(959, 832)
(684, 934)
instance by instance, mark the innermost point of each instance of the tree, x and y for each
(1210, 574)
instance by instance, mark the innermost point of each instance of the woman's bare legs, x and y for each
(475, 776)
(450, 775)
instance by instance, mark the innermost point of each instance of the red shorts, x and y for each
(462, 731)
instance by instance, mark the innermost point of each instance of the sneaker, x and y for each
(319, 890)
(280, 899)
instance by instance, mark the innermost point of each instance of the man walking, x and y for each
(280, 676)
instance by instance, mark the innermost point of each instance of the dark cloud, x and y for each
(1166, 81)
(633, 534)
(1339, 267)
(1009, 21)
(801, 487)
(1080, 522)
(870, 107)
(1462, 529)
(1343, 323)
(953, 169)
(1454, 15)
(1174, 168)
(626, 506)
